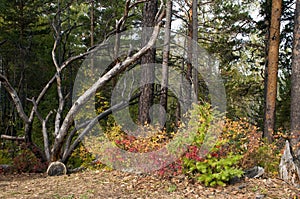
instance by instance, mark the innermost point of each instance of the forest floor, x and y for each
(115, 184)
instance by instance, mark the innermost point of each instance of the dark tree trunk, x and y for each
(147, 61)
(189, 67)
(290, 161)
(165, 67)
(295, 108)
(195, 40)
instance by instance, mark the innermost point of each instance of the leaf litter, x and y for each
(117, 184)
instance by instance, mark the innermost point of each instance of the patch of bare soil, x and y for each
(116, 184)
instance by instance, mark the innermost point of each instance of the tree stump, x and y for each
(56, 169)
(289, 167)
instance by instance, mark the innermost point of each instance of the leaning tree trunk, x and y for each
(290, 161)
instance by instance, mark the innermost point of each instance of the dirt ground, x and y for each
(116, 184)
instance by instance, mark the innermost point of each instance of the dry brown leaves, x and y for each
(116, 184)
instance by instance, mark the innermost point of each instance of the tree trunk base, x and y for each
(56, 169)
(289, 168)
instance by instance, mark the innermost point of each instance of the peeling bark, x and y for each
(289, 168)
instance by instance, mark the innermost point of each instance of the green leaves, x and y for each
(215, 171)
(215, 168)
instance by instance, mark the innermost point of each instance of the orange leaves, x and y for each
(142, 145)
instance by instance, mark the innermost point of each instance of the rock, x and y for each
(56, 169)
(235, 180)
(242, 186)
(5, 168)
(259, 196)
(254, 172)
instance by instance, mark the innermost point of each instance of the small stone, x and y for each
(242, 186)
(254, 172)
(259, 196)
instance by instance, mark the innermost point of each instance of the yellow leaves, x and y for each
(156, 139)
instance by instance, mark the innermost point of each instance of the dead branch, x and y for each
(14, 96)
(3, 42)
(98, 84)
(90, 125)
(15, 138)
(44, 128)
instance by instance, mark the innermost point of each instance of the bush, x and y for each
(237, 146)
(81, 157)
(27, 162)
(213, 170)
(218, 166)
(5, 156)
(246, 139)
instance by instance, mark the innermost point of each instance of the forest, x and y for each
(205, 89)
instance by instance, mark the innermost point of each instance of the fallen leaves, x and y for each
(116, 184)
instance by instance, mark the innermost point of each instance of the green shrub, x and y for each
(81, 157)
(218, 166)
(5, 157)
(213, 170)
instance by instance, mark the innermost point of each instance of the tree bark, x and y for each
(295, 90)
(68, 120)
(290, 161)
(272, 70)
(16, 138)
(195, 41)
(189, 67)
(165, 67)
(147, 62)
(289, 167)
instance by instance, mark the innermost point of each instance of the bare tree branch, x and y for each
(8, 137)
(99, 83)
(137, 2)
(3, 42)
(15, 98)
(160, 12)
(88, 125)
(44, 128)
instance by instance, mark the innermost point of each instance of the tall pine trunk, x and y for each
(272, 71)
